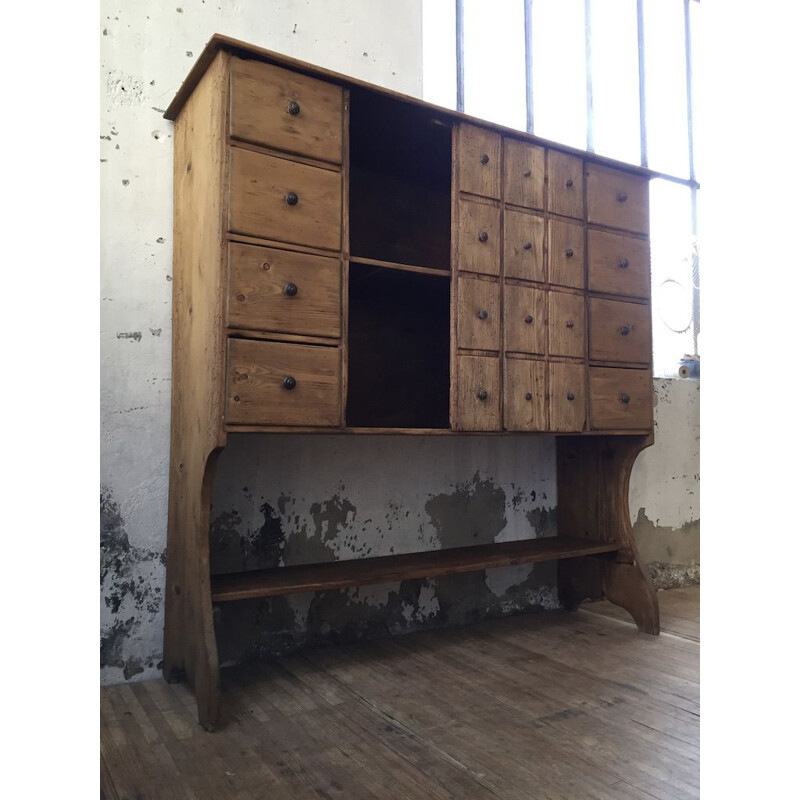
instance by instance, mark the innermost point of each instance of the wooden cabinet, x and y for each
(351, 261)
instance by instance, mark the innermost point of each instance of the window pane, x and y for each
(494, 61)
(439, 52)
(559, 71)
(672, 250)
(615, 79)
(665, 84)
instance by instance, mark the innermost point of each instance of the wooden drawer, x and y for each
(478, 315)
(478, 237)
(523, 246)
(525, 395)
(567, 324)
(478, 161)
(478, 397)
(567, 397)
(564, 184)
(620, 398)
(258, 384)
(565, 253)
(275, 290)
(523, 174)
(525, 319)
(619, 264)
(261, 200)
(619, 331)
(617, 199)
(287, 111)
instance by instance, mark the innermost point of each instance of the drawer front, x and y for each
(478, 393)
(565, 184)
(565, 253)
(261, 200)
(258, 374)
(525, 395)
(619, 331)
(567, 324)
(619, 264)
(617, 199)
(479, 161)
(523, 246)
(567, 397)
(523, 174)
(478, 237)
(525, 320)
(275, 290)
(478, 315)
(620, 398)
(287, 111)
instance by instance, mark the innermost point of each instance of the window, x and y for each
(610, 76)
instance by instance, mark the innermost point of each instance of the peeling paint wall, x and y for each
(286, 499)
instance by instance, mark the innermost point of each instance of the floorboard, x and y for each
(552, 706)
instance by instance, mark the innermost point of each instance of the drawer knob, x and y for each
(290, 290)
(569, 184)
(569, 252)
(527, 173)
(289, 382)
(292, 198)
(294, 108)
(624, 263)
(570, 323)
(622, 197)
(528, 319)
(624, 330)
(483, 236)
(570, 396)
(624, 398)
(483, 314)
(484, 159)
(527, 246)
(528, 396)
(482, 394)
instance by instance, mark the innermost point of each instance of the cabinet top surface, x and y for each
(237, 47)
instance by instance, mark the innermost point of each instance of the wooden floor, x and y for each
(545, 706)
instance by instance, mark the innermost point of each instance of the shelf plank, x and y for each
(374, 262)
(388, 569)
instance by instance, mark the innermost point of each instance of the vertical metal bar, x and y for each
(529, 65)
(587, 10)
(689, 100)
(459, 55)
(642, 107)
(695, 276)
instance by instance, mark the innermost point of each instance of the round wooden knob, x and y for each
(290, 290)
(484, 159)
(528, 319)
(527, 246)
(624, 398)
(569, 252)
(482, 394)
(624, 263)
(622, 197)
(293, 108)
(570, 396)
(292, 198)
(624, 330)
(483, 236)
(570, 323)
(569, 184)
(528, 396)
(289, 382)
(483, 314)
(527, 173)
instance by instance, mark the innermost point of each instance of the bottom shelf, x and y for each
(388, 569)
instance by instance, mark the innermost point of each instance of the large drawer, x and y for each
(284, 110)
(277, 290)
(620, 398)
(272, 383)
(285, 201)
(617, 199)
(619, 331)
(619, 264)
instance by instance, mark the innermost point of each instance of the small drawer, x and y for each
(272, 383)
(478, 398)
(567, 324)
(620, 398)
(284, 110)
(619, 331)
(525, 395)
(567, 397)
(276, 290)
(523, 174)
(565, 253)
(523, 246)
(564, 184)
(285, 201)
(619, 264)
(616, 199)
(525, 320)
(478, 315)
(478, 237)
(479, 161)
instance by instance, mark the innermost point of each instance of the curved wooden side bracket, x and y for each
(593, 475)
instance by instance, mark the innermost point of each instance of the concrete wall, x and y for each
(292, 498)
